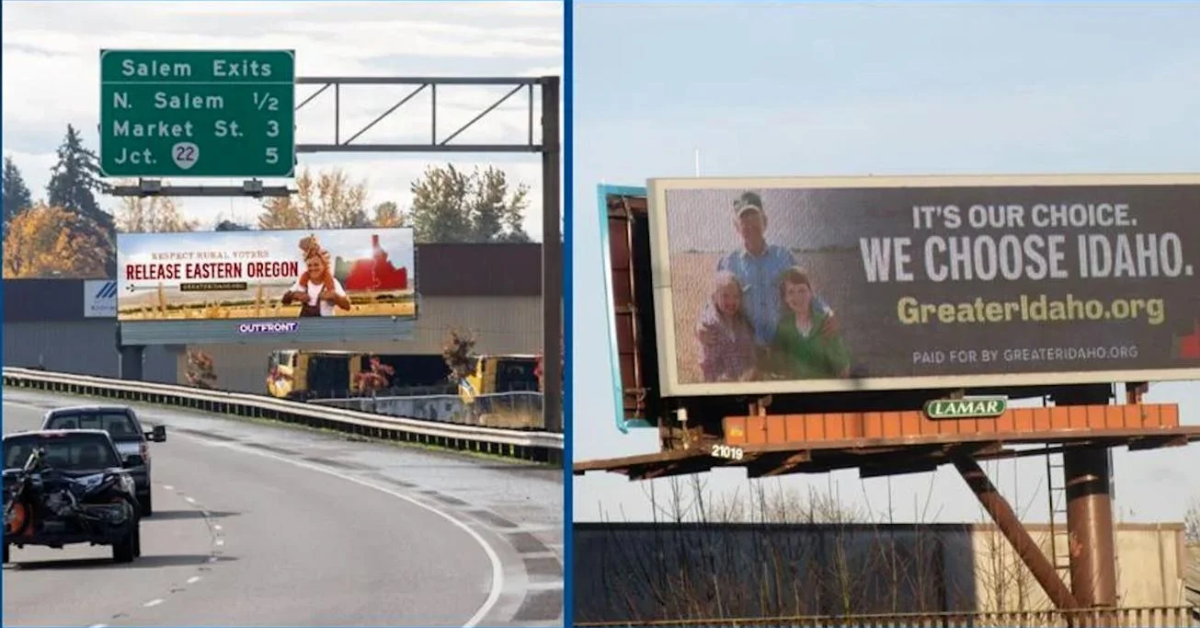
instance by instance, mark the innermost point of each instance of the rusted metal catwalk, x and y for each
(854, 442)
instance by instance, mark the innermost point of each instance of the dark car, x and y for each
(65, 487)
(127, 432)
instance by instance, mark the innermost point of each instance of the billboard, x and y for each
(99, 298)
(885, 283)
(234, 286)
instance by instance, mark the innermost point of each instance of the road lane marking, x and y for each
(189, 500)
(168, 487)
(193, 580)
(152, 603)
(494, 558)
(544, 586)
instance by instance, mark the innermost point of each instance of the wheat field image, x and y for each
(170, 304)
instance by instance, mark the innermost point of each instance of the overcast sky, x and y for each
(51, 78)
(822, 89)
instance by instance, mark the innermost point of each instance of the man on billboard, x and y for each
(758, 267)
(317, 291)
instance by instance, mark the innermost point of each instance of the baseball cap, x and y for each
(747, 202)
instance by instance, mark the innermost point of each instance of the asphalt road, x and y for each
(258, 524)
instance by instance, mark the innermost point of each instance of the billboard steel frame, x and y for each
(699, 434)
(549, 147)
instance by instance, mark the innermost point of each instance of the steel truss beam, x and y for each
(421, 84)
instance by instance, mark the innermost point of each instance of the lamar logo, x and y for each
(968, 408)
(1188, 347)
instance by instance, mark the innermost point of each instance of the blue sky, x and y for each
(853, 89)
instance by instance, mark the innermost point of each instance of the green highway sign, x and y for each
(966, 408)
(197, 113)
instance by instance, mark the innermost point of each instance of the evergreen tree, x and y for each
(16, 194)
(74, 182)
(229, 225)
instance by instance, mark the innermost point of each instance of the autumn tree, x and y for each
(16, 194)
(47, 241)
(201, 370)
(74, 183)
(153, 214)
(387, 215)
(377, 377)
(328, 201)
(452, 206)
(459, 354)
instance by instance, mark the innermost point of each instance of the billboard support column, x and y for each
(552, 279)
(1010, 526)
(131, 362)
(1088, 478)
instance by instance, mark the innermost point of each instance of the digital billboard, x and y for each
(883, 283)
(239, 286)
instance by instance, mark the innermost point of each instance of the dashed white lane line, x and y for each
(217, 527)
(497, 584)
(191, 580)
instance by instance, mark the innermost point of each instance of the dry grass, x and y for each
(691, 280)
(512, 420)
(361, 304)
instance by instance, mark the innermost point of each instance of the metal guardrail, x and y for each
(1133, 617)
(526, 445)
(488, 410)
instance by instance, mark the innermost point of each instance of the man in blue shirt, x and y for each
(757, 265)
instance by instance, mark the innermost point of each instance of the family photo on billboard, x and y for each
(764, 318)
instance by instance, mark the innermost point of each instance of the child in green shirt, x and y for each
(807, 344)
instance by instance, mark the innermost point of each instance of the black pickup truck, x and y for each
(66, 487)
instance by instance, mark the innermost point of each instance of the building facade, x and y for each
(633, 572)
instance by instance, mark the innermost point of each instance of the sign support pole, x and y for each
(552, 279)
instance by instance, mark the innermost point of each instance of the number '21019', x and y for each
(720, 450)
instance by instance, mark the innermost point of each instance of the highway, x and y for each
(258, 524)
